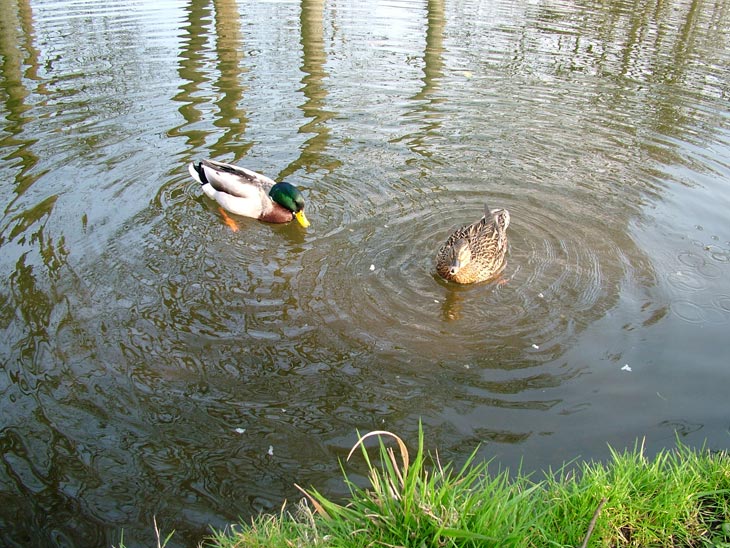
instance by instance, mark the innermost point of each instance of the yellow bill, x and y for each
(302, 218)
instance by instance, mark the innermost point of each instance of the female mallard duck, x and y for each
(475, 252)
(245, 192)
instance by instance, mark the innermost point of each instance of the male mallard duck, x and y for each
(475, 252)
(245, 192)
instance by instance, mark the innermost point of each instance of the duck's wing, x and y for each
(233, 180)
(482, 228)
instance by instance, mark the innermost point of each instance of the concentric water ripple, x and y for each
(375, 282)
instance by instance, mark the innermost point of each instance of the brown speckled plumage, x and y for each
(475, 252)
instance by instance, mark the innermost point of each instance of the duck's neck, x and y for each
(277, 214)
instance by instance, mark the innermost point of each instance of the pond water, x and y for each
(156, 363)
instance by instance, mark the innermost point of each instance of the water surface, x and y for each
(156, 363)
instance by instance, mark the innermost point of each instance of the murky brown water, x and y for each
(155, 363)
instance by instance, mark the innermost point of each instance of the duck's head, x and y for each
(289, 197)
(460, 256)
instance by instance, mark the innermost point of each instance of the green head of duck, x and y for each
(289, 197)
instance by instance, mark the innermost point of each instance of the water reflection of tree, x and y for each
(631, 44)
(17, 51)
(192, 73)
(22, 230)
(425, 110)
(312, 154)
(229, 51)
(39, 449)
(35, 456)
(195, 73)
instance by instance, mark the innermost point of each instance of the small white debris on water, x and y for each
(536, 347)
(372, 267)
(271, 451)
(626, 367)
(541, 295)
(436, 301)
(240, 430)
(467, 366)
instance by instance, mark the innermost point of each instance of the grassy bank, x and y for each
(678, 498)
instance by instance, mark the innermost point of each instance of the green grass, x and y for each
(681, 497)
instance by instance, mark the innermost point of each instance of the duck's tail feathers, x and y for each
(489, 215)
(197, 173)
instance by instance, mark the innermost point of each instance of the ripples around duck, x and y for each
(374, 283)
